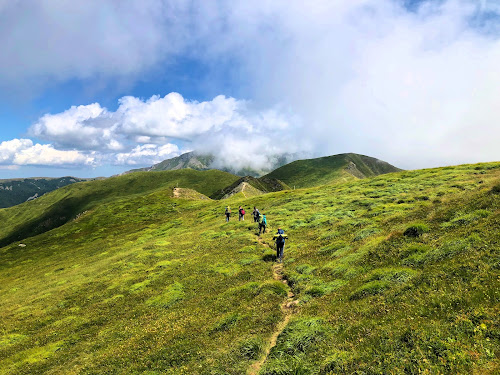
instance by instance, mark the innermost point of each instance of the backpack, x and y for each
(242, 211)
(280, 240)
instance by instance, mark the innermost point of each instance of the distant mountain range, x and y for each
(297, 174)
(301, 173)
(19, 190)
(203, 162)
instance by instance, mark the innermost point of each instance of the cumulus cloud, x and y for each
(84, 126)
(18, 152)
(147, 154)
(8, 149)
(145, 131)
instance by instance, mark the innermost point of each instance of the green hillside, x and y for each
(328, 169)
(19, 190)
(396, 274)
(64, 204)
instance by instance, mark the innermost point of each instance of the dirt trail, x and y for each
(176, 193)
(288, 307)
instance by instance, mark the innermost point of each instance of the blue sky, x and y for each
(93, 88)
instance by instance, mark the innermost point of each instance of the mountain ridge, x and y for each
(199, 161)
(328, 169)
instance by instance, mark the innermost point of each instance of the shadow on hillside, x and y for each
(56, 216)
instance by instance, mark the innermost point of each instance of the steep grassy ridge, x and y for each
(394, 274)
(62, 205)
(336, 168)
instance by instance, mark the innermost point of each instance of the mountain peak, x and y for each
(328, 169)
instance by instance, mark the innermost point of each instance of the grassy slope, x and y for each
(325, 170)
(382, 302)
(17, 191)
(151, 284)
(64, 204)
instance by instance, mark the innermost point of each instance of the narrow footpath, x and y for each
(288, 307)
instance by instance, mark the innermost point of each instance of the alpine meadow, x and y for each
(395, 273)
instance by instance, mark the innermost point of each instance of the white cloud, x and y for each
(173, 116)
(18, 152)
(84, 126)
(46, 41)
(143, 130)
(414, 88)
(8, 149)
(147, 154)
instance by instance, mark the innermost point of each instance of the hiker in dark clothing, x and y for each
(241, 213)
(280, 237)
(256, 215)
(263, 224)
(228, 213)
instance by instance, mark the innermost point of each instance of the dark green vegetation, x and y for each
(396, 274)
(329, 169)
(20, 190)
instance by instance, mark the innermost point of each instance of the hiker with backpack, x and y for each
(256, 215)
(263, 224)
(228, 213)
(241, 213)
(280, 238)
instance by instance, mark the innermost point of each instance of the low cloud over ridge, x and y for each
(144, 132)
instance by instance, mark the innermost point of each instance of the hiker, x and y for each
(256, 215)
(280, 237)
(263, 224)
(241, 213)
(228, 213)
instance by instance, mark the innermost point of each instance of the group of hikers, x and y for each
(279, 237)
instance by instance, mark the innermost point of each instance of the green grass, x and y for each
(325, 170)
(70, 202)
(19, 190)
(146, 283)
